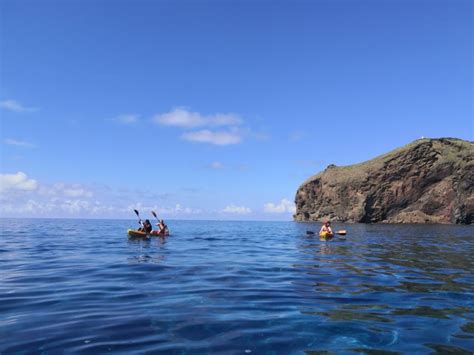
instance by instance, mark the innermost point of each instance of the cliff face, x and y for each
(427, 181)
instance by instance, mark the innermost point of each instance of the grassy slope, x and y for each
(358, 172)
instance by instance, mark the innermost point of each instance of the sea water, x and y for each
(234, 288)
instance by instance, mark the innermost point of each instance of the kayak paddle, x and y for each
(154, 214)
(138, 215)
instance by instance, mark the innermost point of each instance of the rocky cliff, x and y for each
(427, 181)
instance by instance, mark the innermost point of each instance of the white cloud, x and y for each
(73, 190)
(285, 206)
(74, 206)
(216, 165)
(30, 207)
(65, 190)
(213, 137)
(22, 196)
(17, 182)
(15, 106)
(178, 209)
(57, 206)
(127, 118)
(18, 143)
(77, 192)
(181, 117)
(233, 209)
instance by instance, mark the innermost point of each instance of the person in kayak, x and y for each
(145, 227)
(326, 228)
(162, 227)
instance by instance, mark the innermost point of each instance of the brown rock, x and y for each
(427, 181)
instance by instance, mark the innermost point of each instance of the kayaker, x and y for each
(162, 227)
(145, 226)
(326, 228)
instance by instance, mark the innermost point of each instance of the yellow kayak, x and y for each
(326, 235)
(139, 234)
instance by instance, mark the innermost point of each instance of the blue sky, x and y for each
(217, 109)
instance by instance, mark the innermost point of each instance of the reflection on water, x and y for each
(148, 247)
(235, 287)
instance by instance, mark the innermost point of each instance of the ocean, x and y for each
(219, 287)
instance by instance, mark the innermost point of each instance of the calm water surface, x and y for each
(234, 288)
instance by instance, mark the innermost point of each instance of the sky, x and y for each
(217, 109)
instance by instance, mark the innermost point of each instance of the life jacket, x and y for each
(148, 227)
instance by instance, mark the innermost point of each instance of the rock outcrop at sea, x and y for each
(427, 181)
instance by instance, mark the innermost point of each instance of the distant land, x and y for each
(426, 181)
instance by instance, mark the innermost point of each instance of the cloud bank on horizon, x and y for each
(22, 196)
